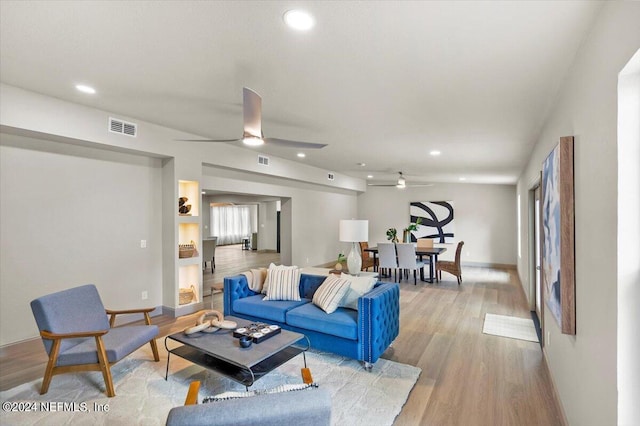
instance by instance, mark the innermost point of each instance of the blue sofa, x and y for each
(363, 334)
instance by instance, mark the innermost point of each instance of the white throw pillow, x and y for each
(359, 287)
(330, 293)
(265, 285)
(284, 283)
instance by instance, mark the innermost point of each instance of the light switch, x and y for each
(143, 243)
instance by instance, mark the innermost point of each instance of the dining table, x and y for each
(432, 252)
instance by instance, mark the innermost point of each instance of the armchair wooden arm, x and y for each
(113, 313)
(192, 394)
(55, 336)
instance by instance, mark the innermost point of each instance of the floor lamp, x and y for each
(354, 231)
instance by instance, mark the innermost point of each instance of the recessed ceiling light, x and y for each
(463, 178)
(435, 153)
(299, 20)
(301, 154)
(361, 164)
(85, 89)
(369, 176)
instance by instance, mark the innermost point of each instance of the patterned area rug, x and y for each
(513, 327)
(143, 397)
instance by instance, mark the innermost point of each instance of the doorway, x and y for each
(535, 260)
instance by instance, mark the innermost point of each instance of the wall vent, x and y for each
(330, 176)
(122, 127)
(263, 160)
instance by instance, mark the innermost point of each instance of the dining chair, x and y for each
(209, 252)
(387, 258)
(407, 260)
(451, 267)
(367, 259)
(425, 242)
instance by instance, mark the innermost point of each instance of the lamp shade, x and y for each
(354, 231)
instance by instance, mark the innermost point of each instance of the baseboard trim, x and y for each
(490, 265)
(554, 388)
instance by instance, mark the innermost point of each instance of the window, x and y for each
(230, 223)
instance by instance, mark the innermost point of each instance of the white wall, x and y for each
(583, 366)
(485, 217)
(629, 243)
(71, 216)
(267, 226)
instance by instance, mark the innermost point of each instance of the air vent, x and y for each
(122, 127)
(263, 160)
(330, 176)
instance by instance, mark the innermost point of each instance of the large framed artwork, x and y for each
(558, 265)
(437, 220)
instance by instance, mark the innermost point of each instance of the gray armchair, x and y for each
(77, 335)
(309, 406)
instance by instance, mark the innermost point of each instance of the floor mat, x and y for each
(512, 327)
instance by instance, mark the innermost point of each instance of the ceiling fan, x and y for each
(252, 120)
(401, 183)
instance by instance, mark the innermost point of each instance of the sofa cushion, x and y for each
(330, 293)
(359, 287)
(342, 323)
(283, 284)
(272, 310)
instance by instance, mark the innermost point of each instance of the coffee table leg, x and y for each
(166, 374)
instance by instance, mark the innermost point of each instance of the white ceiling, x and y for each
(381, 82)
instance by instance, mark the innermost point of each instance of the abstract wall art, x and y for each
(558, 269)
(437, 220)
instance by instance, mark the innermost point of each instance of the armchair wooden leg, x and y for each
(48, 373)
(105, 367)
(154, 349)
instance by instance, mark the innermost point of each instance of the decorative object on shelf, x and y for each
(354, 231)
(392, 235)
(413, 226)
(187, 250)
(558, 261)
(183, 208)
(341, 259)
(187, 295)
(258, 331)
(437, 220)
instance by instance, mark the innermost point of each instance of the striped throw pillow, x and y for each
(283, 284)
(330, 293)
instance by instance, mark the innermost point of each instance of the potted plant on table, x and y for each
(406, 235)
(392, 235)
(341, 259)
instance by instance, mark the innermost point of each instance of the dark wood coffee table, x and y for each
(221, 352)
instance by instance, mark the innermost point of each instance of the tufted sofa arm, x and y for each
(235, 288)
(378, 320)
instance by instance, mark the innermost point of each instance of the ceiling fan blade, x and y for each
(419, 184)
(294, 144)
(208, 140)
(252, 112)
(383, 184)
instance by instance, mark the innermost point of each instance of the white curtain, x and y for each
(230, 223)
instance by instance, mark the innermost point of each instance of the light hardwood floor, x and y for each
(468, 378)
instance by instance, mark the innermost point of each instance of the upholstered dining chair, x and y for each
(77, 335)
(451, 267)
(209, 252)
(387, 258)
(367, 259)
(407, 259)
